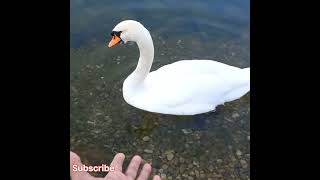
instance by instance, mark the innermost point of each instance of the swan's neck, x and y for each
(146, 49)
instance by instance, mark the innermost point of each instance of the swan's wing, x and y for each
(197, 67)
(172, 90)
(192, 82)
(206, 68)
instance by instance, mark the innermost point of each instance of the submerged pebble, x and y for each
(239, 153)
(170, 156)
(148, 151)
(146, 138)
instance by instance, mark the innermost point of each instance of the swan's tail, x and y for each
(246, 72)
(243, 85)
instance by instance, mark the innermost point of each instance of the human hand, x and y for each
(130, 174)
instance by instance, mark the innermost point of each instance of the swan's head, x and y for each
(128, 30)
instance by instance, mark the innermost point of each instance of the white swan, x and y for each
(186, 87)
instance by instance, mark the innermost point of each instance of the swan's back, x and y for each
(190, 87)
(196, 66)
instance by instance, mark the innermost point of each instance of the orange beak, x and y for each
(115, 40)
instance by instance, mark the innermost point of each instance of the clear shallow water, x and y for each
(214, 145)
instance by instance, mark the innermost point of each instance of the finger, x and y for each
(156, 177)
(75, 162)
(145, 172)
(133, 167)
(117, 162)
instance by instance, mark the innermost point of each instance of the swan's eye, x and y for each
(117, 33)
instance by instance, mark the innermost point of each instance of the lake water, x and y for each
(215, 145)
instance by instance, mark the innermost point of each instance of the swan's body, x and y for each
(186, 87)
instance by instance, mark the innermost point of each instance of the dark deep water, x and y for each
(209, 146)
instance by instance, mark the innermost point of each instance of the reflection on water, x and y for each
(213, 145)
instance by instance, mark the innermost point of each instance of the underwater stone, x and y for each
(146, 138)
(235, 115)
(170, 156)
(239, 153)
(148, 151)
